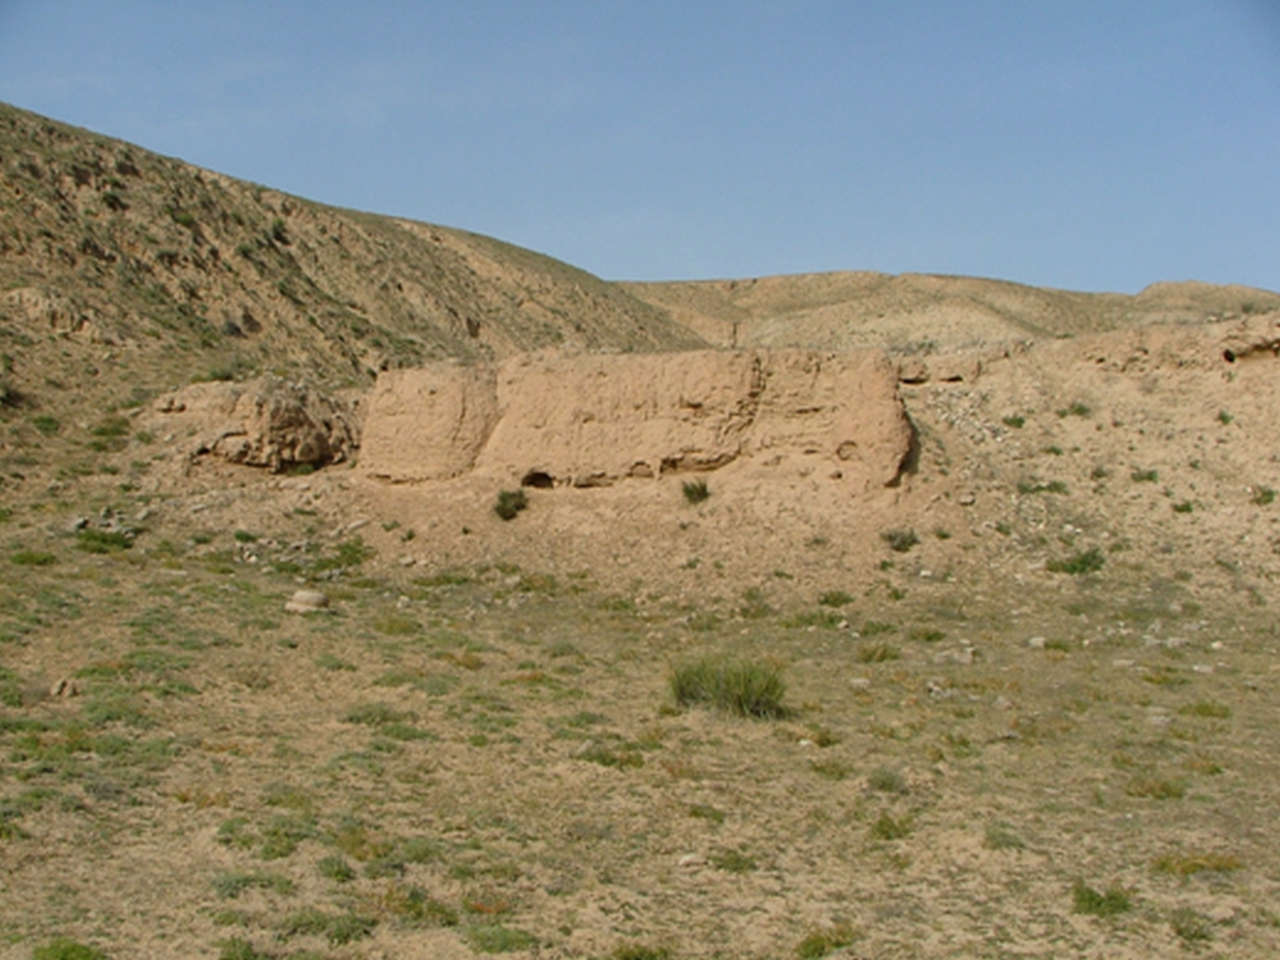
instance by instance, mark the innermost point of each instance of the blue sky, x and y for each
(1085, 145)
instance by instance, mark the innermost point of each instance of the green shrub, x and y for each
(61, 948)
(695, 491)
(1144, 476)
(886, 780)
(495, 938)
(1088, 561)
(819, 943)
(732, 861)
(835, 598)
(1077, 409)
(46, 424)
(1088, 900)
(32, 558)
(900, 540)
(1016, 421)
(112, 427)
(1264, 496)
(744, 687)
(103, 541)
(510, 502)
(887, 827)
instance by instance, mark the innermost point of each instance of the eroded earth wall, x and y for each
(592, 420)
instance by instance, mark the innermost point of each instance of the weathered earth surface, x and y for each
(267, 422)
(1017, 550)
(593, 420)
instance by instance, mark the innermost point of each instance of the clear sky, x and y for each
(1093, 145)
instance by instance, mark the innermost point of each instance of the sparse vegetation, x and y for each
(900, 541)
(1000, 836)
(1037, 486)
(886, 780)
(510, 503)
(877, 653)
(1190, 926)
(1087, 900)
(888, 827)
(695, 491)
(93, 540)
(1076, 409)
(32, 558)
(1079, 564)
(476, 734)
(1189, 864)
(62, 948)
(747, 688)
(826, 940)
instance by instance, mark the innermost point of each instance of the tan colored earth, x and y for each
(277, 680)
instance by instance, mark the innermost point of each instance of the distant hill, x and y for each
(912, 313)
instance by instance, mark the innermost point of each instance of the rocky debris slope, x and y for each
(594, 420)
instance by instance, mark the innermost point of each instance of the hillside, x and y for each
(914, 313)
(114, 259)
(363, 599)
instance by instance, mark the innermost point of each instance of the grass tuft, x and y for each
(900, 541)
(695, 491)
(743, 687)
(62, 948)
(1087, 561)
(820, 943)
(1099, 904)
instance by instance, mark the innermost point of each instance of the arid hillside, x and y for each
(118, 266)
(377, 589)
(925, 313)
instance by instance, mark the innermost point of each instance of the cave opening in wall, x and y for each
(538, 479)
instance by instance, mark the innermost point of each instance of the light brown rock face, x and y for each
(263, 423)
(429, 424)
(596, 419)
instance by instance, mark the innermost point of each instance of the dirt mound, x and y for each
(594, 420)
(267, 422)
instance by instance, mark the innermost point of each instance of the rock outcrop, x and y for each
(594, 420)
(266, 422)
